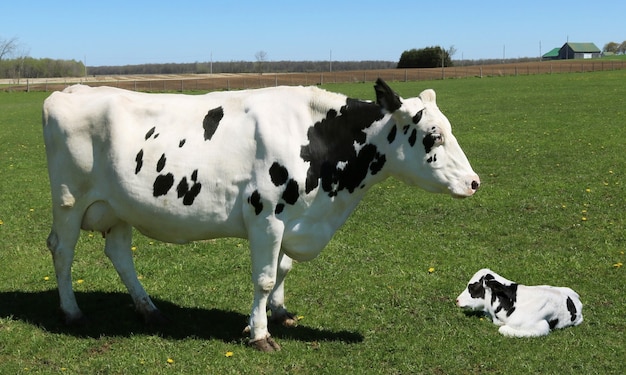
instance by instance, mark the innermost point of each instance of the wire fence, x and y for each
(221, 82)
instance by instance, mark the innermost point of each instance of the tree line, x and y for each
(616, 48)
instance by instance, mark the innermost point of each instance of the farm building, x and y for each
(579, 51)
(552, 55)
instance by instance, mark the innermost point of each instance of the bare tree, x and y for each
(261, 57)
(7, 47)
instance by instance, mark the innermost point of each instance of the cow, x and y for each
(520, 310)
(282, 167)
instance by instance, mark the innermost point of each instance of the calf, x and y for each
(520, 310)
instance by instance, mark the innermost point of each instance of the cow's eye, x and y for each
(437, 139)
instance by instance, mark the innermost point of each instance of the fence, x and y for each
(215, 82)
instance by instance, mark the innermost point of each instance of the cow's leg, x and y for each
(62, 244)
(265, 250)
(118, 249)
(276, 301)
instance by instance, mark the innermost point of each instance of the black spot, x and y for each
(279, 208)
(161, 163)
(476, 290)
(429, 142)
(291, 193)
(378, 163)
(405, 129)
(182, 188)
(392, 134)
(553, 323)
(413, 137)
(331, 145)
(432, 159)
(211, 121)
(506, 295)
(571, 308)
(255, 201)
(150, 132)
(417, 117)
(162, 184)
(189, 194)
(279, 174)
(182, 142)
(139, 160)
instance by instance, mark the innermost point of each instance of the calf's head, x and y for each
(486, 283)
(428, 153)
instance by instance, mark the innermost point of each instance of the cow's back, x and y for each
(186, 160)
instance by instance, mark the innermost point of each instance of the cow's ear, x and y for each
(386, 97)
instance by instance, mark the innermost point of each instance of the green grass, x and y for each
(550, 150)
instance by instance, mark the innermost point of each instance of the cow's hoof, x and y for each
(285, 319)
(265, 345)
(155, 318)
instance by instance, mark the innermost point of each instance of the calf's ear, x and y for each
(386, 97)
(507, 291)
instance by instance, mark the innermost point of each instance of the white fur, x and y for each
(534, 310)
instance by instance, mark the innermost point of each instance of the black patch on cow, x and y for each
(189, 194)
(291, 193)
(139, 160)
(429, 142)
(506, 295)
(378, 164)
(418, 117)
(161, 163)
(476, 290)
(162, 184)
(553, 323)
(211, 121)
(386, 97)
(392, 134)
(182, 143)
(413, 137)
(150, 132)
(571, 308)
(405, 129)
(432, 159)
(279, 208)
(278, 174)
(331, 143)
(255, 201)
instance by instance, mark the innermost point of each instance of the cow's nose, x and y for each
(475, 185)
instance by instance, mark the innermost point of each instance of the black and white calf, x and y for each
(521, 310)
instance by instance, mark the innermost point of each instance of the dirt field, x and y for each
(213, 82)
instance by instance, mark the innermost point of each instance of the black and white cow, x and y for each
(520, 310)
(282, 167)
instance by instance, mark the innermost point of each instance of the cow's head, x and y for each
(422, 140)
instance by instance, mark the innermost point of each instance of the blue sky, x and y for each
(116, 32)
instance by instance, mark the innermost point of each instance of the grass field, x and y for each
(550, 150)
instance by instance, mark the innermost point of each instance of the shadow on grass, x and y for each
(112, 314)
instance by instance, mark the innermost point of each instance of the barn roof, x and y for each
(583, 47)
(552, 53)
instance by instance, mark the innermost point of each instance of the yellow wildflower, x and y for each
(46, 278)
(229, 354)
(170, 361)
(431, 270)
(618, 264)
